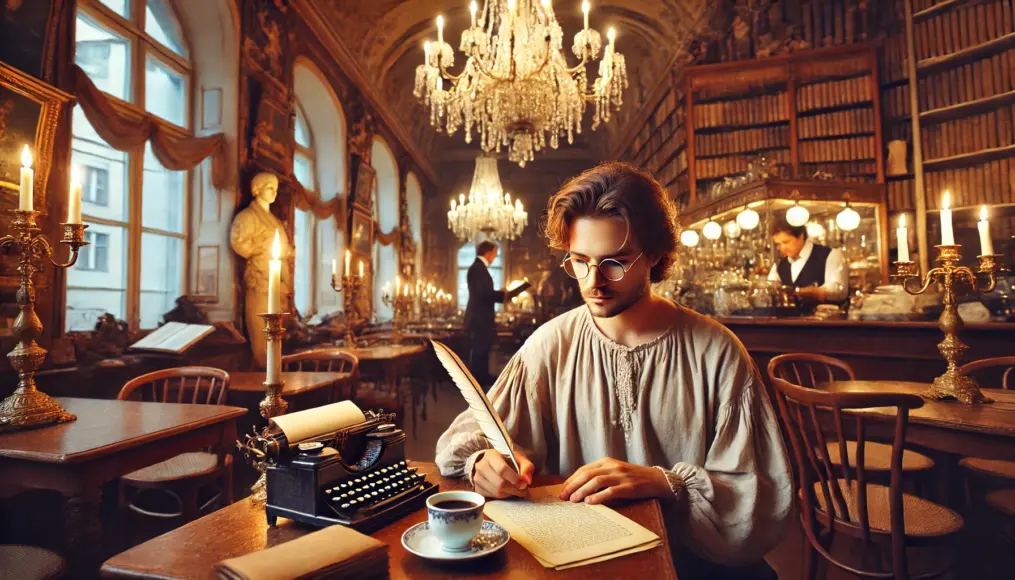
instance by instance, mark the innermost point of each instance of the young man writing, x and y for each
(634, 397)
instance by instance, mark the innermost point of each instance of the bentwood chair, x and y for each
(814, 370)
(326, 360)
(1001, 369)
(181, 478)
(30, 563)
(840, 499)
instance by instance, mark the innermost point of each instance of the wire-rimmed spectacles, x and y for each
(611, 269)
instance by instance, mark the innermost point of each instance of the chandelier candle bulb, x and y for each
(440, 34)
(903, 237)
(74, 202)
(275, 277)
(348, 257)
(334, 270)
(25, 202)
(947, 235)
(473, 7)
(585, 12)
(612, 35)
(986, 244)
(361, 268)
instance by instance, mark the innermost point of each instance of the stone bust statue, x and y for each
(251, 236)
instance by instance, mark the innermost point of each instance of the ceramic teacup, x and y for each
(455, 518)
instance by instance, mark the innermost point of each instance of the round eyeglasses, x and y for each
(611, 269)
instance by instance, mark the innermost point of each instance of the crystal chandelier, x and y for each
(516, 88)
(487, 209)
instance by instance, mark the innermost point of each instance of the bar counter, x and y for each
(879, 350)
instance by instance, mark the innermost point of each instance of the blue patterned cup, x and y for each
(455, 518)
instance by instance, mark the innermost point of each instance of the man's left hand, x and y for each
(609, 479)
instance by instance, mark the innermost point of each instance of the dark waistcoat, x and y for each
(813, 273)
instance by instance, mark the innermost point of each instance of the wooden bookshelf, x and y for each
(660, 146)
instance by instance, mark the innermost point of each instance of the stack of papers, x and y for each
(562, 535)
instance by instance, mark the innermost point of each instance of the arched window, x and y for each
(137, 211)
(466, 256)
(414, 205)
(319, 165)
(386, 202)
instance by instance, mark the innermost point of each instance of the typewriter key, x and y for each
(345, 506)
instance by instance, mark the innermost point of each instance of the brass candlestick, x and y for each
(951, 385)
(351, 286)
(401, 305)
(28, 407)
(273, 404)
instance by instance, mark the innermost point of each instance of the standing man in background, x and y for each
(479, 321)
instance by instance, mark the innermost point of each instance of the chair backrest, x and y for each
(843, 495)
(200, 385)
(1002, 365)
(323, 359)
(809, 370)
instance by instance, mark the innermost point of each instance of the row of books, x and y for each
(710, 145)
(900, 194)
(661, 143)
(989, 183)
(894, 62)
(749, 111)
(849, 122)
(669, 172)
(833, 93)
(834, 22)
(963, 27)
(852, 171)
(838, 149)
(712, 167)
(895, 102)
(968, 135)
(976, 80)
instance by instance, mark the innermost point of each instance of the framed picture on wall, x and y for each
(363, 197)
(207, 289)
(28, 35)
(361, 238)
(29, 109)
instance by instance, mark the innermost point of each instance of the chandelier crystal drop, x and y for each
(487, 208)
(516, 89)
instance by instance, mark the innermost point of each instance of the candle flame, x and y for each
(946, 203)
(440, 22)
(585, 7)
(76, 175)
(983, 213)
(611, 34)
(276, 247)
(26, 157)
(902, 221)
(473, 7)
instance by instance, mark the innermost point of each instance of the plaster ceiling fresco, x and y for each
(387, 38)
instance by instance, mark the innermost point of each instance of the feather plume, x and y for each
(484, 413)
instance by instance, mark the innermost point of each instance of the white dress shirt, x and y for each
(836, 276)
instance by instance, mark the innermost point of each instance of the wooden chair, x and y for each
(180, 477)
(992, 470)
(30, 563)
(834, 500)
(813, 370)
(334, 360)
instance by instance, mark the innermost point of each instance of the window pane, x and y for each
(162, 204)
(103, 191)
(104, 56)
(121, 7)
(466, 255)
(302, 132)
(160, 23)
(327, 299)
(161, 276)
(165, 92)
(303, 169)
(463, 288)
(98, 281)
(303, 266)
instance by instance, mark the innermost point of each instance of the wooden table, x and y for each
(296, 382)
(109, 439)
(191, 551)
(970, 430)
(386, 353)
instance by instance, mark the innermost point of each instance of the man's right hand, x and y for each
(494, 477)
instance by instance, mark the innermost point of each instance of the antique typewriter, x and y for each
(356, 476)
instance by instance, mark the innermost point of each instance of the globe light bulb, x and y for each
(689, 238)
(847, 219)
(815, 230)
(712, 230)
(732, 230)
(748, 219)
(797, 215)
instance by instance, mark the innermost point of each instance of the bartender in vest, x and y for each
(818, 272)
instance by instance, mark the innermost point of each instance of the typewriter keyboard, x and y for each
(360, 492)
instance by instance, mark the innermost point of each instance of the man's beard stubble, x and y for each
(618, 303)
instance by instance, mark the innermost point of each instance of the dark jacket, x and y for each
(479, 321)
(813, 272)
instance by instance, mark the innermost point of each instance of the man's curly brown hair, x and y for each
(618, 190)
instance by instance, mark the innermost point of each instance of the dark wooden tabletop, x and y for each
(996, 418)
(192, 550)
(296, 382)
(106, 427)
(370, 353)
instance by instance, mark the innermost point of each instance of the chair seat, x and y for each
(922, 518)
(878, 457)
(989, 467)
(29, 563)
(183, 466)
(1003, 501)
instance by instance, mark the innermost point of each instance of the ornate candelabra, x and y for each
(401, 304)
(273, 404)
(28, 407)
(350, 286)
(951, 385)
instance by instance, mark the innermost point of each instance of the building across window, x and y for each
(95, 256)
(95, 186)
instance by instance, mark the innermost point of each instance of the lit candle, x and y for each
(986, 244)
(612, 35)
(398, 284)
(473, 7)
(947, 235)
(74, 202)
(405, 290)
(275, 277)
(361, 268)
(512, 6)
(440, 33)
(585, 12)
(348, 256)
(334, 269)
(903, 235)
(27, 181)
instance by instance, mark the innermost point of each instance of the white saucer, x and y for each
(421, 542)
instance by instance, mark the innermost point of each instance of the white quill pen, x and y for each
(484, 413)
